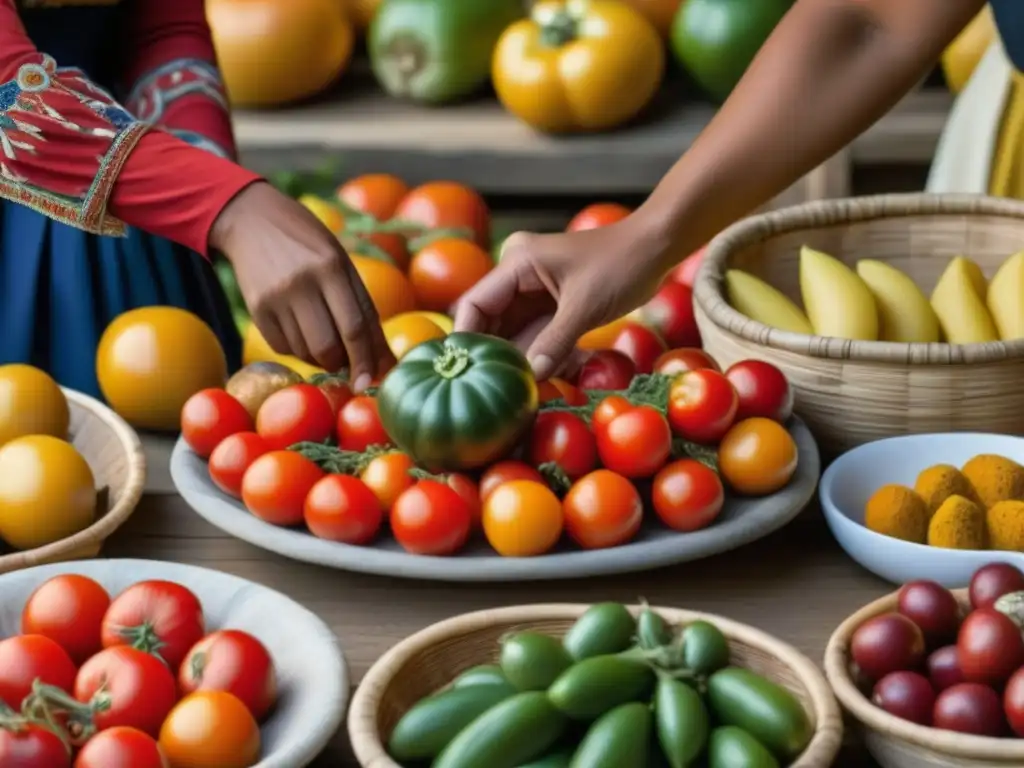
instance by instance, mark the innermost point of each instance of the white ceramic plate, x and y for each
(312, 676)
(849, 482)
(741, 522)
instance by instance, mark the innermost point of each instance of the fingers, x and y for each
(554, 345)
(353, 314)
(485, 303)
(320, 332)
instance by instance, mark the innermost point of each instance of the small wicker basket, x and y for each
(432, 658)
(115, 456)
(897, 743)
(852, 392)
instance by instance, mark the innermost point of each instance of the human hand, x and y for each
(548, 290)
(300, 287)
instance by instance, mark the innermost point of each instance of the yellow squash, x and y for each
(964, 53)
(578, 65)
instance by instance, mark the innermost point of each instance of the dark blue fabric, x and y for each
(1009, 16)
(59, 286)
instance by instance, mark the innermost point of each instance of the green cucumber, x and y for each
(705, 648)
(532, 661)
(485, 674)
(766, 711)
(619, 738)
(652, 631)
(560, 759)
(732, 747)
(604, 628)
(591, 687)
(681, 722)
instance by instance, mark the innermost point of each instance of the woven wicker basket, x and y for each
(852, 392)
(897, 743)
(115, 456)
(433, 657)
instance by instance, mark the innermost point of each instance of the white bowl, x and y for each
(312, 676)
(849, 482)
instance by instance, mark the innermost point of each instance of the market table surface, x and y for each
(796, 584)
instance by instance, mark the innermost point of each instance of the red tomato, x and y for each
(602, 509)
(989, 647)
(762, 390)
(159, 617)
(702, 406)
(469, 492)
(1013, 702)
(969, 708)
(232, 661)
(932, 607)
(555, 389)
(606, 369)
(344, 509)
(296, 414)
(641, 345)
(670, 313)
(336, 390)
(943, 667)
(446, 204)
(26, 658)
(69, 610)
(387, 476)
(677, 361)
(232, 457)
(686, 272)
(636, 443)
(908, 695)
(209, 416)
(359, 425)
(992, 581)
(597, 215)
(274, 487)
(138, 688)
(32, 746)
(886, 643)
(687, 495)
(564, 439)
(120, 748)
(377, 194)
(506, 471)
(431, 519)
(608, 409)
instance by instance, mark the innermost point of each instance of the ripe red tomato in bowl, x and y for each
(702, 406)
(641, 345)
(670, 313)
(606, 369)
(989, 647)
(596, 216)
(684, 359)
(762, 389)
(687, 495)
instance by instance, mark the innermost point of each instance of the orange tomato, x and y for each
(210, 729)
(388, 287)
(377, 194)
(31, 403)
(447, 204)
(559, 389)
(387, 476)
(522, 518)
(660, 13)
(757, 457)
(445, 269)
(602, 509)
(604, 336)
(409, 329)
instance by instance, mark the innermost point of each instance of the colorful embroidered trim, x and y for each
(201, 142)
(157, 90)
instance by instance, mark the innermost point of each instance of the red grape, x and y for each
(944, 668)
(992, 581)
(1013, 702)
(932, 607)
(887, 643)
(969, 708)
(907, 695)
(990, 647)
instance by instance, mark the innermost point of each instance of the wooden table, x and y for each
(796, 584)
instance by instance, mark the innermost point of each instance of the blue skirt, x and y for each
(60, 287)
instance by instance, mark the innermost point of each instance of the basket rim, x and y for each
(948, 743)
(362, 715)
(709, 295)
(118, 513)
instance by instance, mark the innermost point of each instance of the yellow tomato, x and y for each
(151, 360)
(757, 457)
(578, 66)
(522, 518)
(387, 285)
(327, 214)
(31, 403)
(210, 729)
(255, 349)
(603, 337)
(443, 322)
(47, 491)
(405, 331)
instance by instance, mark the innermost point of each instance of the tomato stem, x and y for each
(451, 363)
(705, 454)
(143, 638)
(47, 702)
(558, 29)
(650, 389)
(555, 477)
(336, 461)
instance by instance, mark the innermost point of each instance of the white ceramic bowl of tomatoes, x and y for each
(161, 665)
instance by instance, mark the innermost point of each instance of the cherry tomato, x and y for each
(468, 491)
(160, 617)
(210, 729)
(762, 389)
(608, 409)
(636, 443)
(908, 695)
(969, 708)
(602, 509)
(448, 205)
(641, 345)
(944, 668)
(26, 658)
(377, 194)
(887, 643)
(992, 581)
(388, 476)
(232, 661)
(32, 746)
(686, 272)
(344, 509)
(209, 416)
(274, 487)
(431, 519)
(522, 518)
(989, 646)
(69, 610)
(597, 215)
(359, 425)
(606, 369)
(702, 406)
(296, 414)
(1013, 702)
(444, 270)
(559, 389)
(506, 471)
(137, 687)
(677, 361)
(687, 495)
(336, 390)
(121, 746)
(670, 314)
(564, 439)
(232, 457)
(757, 457)
(932, 607)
